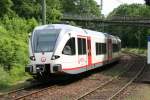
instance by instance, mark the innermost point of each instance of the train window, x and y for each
(103, 48)
(84, 46)
(69, 48)
(97, 49)
(81, 46)
(44, 40)
(115, 47)
(100, 48)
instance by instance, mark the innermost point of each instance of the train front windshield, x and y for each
(44, 40)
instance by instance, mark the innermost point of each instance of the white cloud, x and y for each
(109, 5)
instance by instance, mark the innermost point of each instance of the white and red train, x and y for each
(60, 48)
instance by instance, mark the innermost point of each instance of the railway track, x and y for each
(110, 89)
(34, 93)
(30, 91)
(22, 92)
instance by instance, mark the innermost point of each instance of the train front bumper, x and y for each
(41, 68)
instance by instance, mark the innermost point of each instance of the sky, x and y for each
(109, 5)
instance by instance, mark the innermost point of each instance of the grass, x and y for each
(12, 79)
(142, 51)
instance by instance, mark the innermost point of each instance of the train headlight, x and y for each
(32, 58)
(55, 57)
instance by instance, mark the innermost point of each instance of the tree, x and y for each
(147, 2)
(81, 7)
(55, 8)
(27, 8)
(53, 11)
(88, 7)
(32, 8)
(131, 10)
(131, 36)
(69, 6)
(5, 7)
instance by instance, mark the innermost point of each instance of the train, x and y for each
(66, 49)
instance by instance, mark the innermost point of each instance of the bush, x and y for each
(14, 48)
(18, 27)
(4, 77)
(13, 42)
(11, 78)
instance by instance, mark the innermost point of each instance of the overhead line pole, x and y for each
(101, 5)
(43, 12)
(101, 8)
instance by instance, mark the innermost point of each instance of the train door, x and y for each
(109, 49)
(69, 54)
(89, 51)
(82, 52)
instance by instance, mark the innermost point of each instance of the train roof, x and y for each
(91, 32)
(58, 26)
(74, 28)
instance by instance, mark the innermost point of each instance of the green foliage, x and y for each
(4, 79)
(13, 42)
(14, 48)
(55, 8)
(11, 78)
(147, 2)
(81, 7)
(18, 27)
(27, 8)
(142, 52)
(131, 10)
(32, 8)
(53, 11)
(5, 7)
(12, 51)
(131, 36)
(88, 7)
(69, 6)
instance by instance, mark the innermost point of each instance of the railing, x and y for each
(128, 18)
(81, 17)
(113, 18)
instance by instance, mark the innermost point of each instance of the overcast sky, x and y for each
(109, 5)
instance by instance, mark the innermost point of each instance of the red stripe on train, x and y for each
(77, 68)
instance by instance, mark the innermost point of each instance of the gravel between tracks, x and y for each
(139, 89)
(71, 88)
(79, 87)
(108, 91)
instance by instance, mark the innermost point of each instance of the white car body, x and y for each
(91, 56)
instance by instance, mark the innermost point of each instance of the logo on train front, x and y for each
(43, 59)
